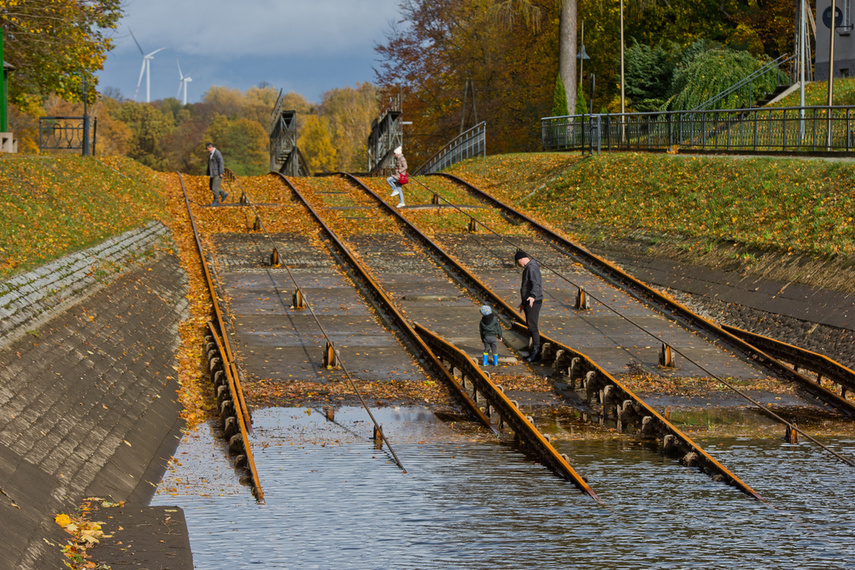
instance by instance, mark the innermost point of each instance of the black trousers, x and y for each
(532, 314)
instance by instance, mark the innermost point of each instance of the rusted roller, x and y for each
(227, 408)
(472, 227)
(666, 356)
(243, 199)
(256, 225)
(297, 301)
(329, 413)
(273, 258)
(791, 435)
(222, 392)
(690, 459)
(214, 364)
(378, 437)
(435, 199)
(582, 300)
(240, 461)
(230, 427)
(330, 356)
(236, 445)
(219, 378)
(647, 427)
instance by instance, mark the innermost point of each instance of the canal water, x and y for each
(333, 501)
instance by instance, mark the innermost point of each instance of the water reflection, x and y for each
(332, 501)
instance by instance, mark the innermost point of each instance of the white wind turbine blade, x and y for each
(151, 55)
(180, 79)
(136, 42)
(139, 82)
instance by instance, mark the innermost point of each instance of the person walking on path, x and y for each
(216, 171)
(399, 178)
(491, 333)
(531, 295)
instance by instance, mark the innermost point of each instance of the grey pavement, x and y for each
(88, 403)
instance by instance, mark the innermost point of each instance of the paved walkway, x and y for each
(88, 407)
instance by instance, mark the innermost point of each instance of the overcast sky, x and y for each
(307, 46)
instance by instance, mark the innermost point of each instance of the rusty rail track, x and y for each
(668, 306)
(221, 363)
(389, 307)
(509, 412)
(437, 351)
(821, 365)
(633, 410)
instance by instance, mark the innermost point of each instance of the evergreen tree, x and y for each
(559, 99)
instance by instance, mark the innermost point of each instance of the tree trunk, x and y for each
(567, 51)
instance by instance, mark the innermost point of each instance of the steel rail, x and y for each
(819, 364)
(274, 259)
(661, 424)
(640, 289)
(389, 306)
(523, 427)
(225, 350)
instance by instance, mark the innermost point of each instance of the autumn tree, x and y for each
(349, 113)
(54, 45)
(446, 44)
(243, 143)
(316, 144)
(149, 126)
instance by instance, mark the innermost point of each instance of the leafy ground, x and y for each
(816, 94)
(54, 205)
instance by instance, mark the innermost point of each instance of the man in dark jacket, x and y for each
(531, 295)
(491, 333)
(216, 171)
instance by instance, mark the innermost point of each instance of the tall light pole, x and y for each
(622, 98)
(831, 67)
(802, 71)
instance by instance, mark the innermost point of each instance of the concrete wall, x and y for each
(88, 392)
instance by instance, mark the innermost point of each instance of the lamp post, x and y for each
(581, 56)
(85, 119)
(831, 27)
(4, 118)
(622, 98)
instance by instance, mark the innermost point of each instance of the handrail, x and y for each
(479, 131)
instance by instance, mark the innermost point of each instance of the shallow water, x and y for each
(332, 501)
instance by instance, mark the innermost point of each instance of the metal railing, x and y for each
(466, 145)
(67, 133)
(761, 130)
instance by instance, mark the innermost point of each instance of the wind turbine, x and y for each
(146, 69)
(183, 80)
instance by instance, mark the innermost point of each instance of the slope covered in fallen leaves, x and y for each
(800, 205)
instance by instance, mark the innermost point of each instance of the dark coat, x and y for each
(216, 166)
(490, 326)
(532, 282)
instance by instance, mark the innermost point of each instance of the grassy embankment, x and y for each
(53, 206)
(790, 219)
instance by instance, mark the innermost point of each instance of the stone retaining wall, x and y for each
(30, 298)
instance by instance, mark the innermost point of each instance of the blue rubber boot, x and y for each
(495, 360)
(486, 361)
